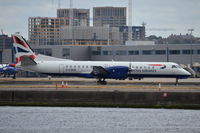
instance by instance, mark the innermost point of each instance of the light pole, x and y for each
(191, 51)
(167, 52)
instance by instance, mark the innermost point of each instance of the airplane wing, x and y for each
(115, 72)
(99, 71)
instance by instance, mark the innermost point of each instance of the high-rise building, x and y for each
(132, 33)
(46, 30)
(112, 16)
(5, 42)
(6, 54)
(77, 17)
(81, 35)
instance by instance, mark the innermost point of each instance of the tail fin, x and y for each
(21, 48)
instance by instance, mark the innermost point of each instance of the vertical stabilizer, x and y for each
(21, 48)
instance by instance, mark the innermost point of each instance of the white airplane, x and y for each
(29, 61)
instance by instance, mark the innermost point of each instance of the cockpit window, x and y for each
(176, 66)
(173, 66)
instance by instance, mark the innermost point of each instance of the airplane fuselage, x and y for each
(84, 68)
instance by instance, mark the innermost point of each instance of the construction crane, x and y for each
(71, 4)
(130, 14)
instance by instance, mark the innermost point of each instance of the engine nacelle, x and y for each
(117, 72)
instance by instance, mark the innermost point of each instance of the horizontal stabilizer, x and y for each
(27, 61)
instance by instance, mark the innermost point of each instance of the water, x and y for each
(97, 120)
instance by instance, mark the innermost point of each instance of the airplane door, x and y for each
(61, 68)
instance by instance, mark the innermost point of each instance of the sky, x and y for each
(163, 17)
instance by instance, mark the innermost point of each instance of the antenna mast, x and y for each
(71, 4)
(59, 4)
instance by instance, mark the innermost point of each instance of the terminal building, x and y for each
(179, 53)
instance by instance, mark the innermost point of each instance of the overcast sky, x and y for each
(163, 17)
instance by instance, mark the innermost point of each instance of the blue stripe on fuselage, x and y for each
(88, 75)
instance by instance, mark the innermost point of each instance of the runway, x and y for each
(80, 84)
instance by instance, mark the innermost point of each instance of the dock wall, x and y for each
(101, 99)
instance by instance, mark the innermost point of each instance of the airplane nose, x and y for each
(187, 73)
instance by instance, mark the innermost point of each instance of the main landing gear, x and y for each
(101, 81)
(176, 81)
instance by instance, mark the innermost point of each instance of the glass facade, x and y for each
(144, 52)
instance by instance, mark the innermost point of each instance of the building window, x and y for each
(147, 52)
(66, 52)
(132, 52)
(96, 52)
(187, 51)
(121, 52)
(0, 56)
(160, 52)
(198, 51)
(47, 52)
(110, 53)
(105, 52)
(174, 52)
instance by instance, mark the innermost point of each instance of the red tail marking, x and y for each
(18, 41)
(32, 57)
(16, 60)
(12, 65)
(20, 58)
